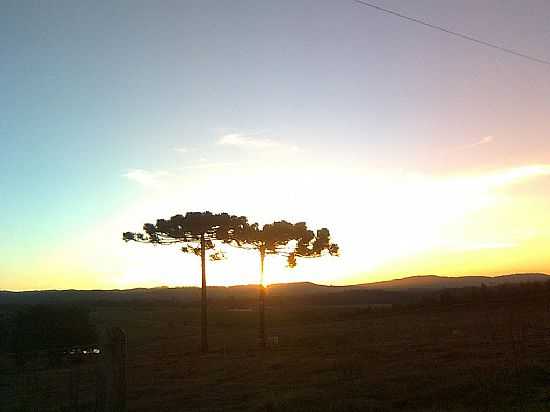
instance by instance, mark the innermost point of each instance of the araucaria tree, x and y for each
(284, 239)
(197, 231)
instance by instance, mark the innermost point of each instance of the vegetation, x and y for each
(482, 350)
(197, 231)
(50, 328)
(283, 239)
(201, 230)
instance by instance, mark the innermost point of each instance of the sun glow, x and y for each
(387, 224)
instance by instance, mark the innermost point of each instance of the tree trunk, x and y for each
(262, 337)
(204, 315)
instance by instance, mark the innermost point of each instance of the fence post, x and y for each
(111, 385)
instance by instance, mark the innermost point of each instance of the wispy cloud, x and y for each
(516, 175)
(255, 143)
(145, 177)
(182, 149)
(485, 140)
(481, 142)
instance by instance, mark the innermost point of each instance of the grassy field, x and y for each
(337, 359)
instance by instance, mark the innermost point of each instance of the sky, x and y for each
(421, 152)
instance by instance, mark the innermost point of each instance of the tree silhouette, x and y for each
(279, 238)
(197, 231)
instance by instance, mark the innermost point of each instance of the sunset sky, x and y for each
(421, 152)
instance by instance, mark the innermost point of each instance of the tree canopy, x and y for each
(190, 228)
(282, 238)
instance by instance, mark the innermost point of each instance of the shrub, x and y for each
(52, 328)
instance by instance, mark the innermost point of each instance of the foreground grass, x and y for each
(338, 359)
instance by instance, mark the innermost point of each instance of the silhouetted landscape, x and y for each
(409, 288)
(408, 344)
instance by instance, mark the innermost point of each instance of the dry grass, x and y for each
(337, 359)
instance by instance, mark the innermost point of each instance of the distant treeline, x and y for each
(417, 298)
(534, 292)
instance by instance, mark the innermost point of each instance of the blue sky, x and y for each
(94, 91)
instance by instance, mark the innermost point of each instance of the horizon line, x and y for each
(276, 284)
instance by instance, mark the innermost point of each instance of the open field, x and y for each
(333, 358)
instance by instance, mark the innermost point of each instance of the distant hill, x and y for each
(445, 282)
(281, 290)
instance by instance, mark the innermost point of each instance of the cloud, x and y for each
(516, 174)
(481, 142)
(182, 149)
(145, 177)
(485, 140)
(486, 182)
(255, 143)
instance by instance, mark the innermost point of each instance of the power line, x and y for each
(454, 33)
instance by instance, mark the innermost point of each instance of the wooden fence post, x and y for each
(111, 377)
